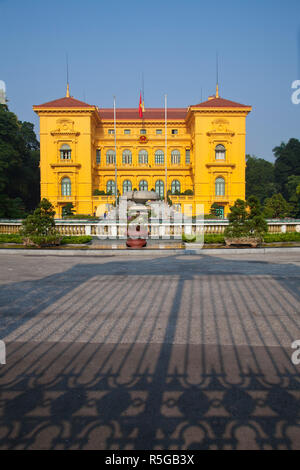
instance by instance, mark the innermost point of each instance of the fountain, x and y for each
(138, 215)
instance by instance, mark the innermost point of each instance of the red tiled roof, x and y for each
(66, 102)
(219, 103)
(150, 113)
(132, 113)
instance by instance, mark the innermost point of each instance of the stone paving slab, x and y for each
(161, 352)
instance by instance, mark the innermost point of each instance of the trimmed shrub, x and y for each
(10, 238)
(82, 217)
(208, 238)
(76, 240)
(214, 238)
(268, 238)
(68, 210)
(42, 240)
(282, 237)
(188, 192)
(98, 192)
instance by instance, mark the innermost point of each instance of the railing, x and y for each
(111, 229)
(104, 198)
(66, 198)
(180, 198)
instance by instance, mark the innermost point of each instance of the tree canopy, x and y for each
(276, 207)
(287, 163)
(246, 219)
(19, 165)
(276, 185)
(260, 178)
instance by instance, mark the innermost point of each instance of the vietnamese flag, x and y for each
(140, 106)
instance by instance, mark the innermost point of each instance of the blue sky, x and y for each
(173, 43)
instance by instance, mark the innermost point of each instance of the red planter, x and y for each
(136, 242)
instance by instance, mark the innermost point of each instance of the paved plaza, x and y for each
(150, 352)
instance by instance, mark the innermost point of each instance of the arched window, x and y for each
(98, 156)
(175, 187)
(187, 156)
(175, 157)
(159, 157)
(110, 187)
(143, 185)
(143, 157)
(220, 187)
(66, 187)
(127, 186)
(159, 188)
(65, 152)
(126, 157)
(110, 157)
(220, 152)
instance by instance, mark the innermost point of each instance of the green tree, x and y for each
(237, 220)
(255, 218)
(214, 210)
(246, 219)
(68, 209)
(260, 178)
(276, 207)
(254, 206)
(287, 164)
(39, 227)
(11, 208)
(19, 165)
(293, 197)
(30, 166)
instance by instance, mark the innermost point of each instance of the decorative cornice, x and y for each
(220, 165)
(58, 132)
(152, 141)
(220, 134)
(143, 169)
(140, 124)
(65, 165)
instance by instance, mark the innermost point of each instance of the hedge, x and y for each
(208, 238)
(10, 238)
(282, 237)
(76, 240)
(268, 238)
(15, 238)
(81, 217)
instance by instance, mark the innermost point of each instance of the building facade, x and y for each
(204, 153)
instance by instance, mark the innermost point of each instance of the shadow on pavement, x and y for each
(169, 353)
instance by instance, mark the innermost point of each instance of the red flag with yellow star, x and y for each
(140, 106)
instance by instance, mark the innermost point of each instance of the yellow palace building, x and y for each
(203, 151)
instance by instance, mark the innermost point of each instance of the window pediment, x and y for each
(220, 127)
(64, 127)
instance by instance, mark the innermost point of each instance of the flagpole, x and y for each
(115, 135)
(143, 94)
(166, 152)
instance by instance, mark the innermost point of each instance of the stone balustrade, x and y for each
(107, 228)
